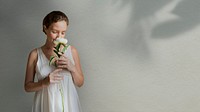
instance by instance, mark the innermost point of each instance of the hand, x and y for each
(53, 77)
(65, 63)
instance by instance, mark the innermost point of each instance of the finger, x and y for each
(61, 61)
(63, 55)
(61, 58)
(55, 81)
(58, 78)
(57, 70)
(62, 66)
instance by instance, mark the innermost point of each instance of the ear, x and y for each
(44, 29)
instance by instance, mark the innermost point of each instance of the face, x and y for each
(56, 30)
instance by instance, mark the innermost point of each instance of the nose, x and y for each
(58, 35)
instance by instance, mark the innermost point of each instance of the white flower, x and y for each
(60, 40)
(59, 49)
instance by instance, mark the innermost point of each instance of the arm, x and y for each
(77, 73)
(65, 63)
(29, 84)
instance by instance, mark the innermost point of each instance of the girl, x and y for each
(55, 89)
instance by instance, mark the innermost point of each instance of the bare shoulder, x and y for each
(33, 55)
(74, 50)
(75, 53)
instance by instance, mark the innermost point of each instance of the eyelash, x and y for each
(54, 32)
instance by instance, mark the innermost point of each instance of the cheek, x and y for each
(53, 36)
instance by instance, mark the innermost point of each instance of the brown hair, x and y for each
(54, 17)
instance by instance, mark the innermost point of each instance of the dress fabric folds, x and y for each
(59, 97)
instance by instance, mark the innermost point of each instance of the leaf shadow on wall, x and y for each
(135, 39)
(188, 12)
(156, 19)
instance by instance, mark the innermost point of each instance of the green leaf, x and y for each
(58, 47)
(65, 48)
(57, 53)
(51, 59)
(55, 64)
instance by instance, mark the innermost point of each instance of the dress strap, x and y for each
(39, 54)
(39, 60)
(69, 54)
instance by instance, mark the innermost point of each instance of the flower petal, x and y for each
(61, 40)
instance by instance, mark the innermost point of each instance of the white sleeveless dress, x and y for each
(61, 97)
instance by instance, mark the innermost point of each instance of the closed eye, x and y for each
(63, 33)
(54, 32)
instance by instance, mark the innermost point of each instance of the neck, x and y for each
(48, 46)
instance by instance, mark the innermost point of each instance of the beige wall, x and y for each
(137, 55)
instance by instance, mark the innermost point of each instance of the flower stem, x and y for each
(61, 93)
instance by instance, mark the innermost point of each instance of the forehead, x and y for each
(60, 25)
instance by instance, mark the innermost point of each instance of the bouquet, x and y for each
(59, 49)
